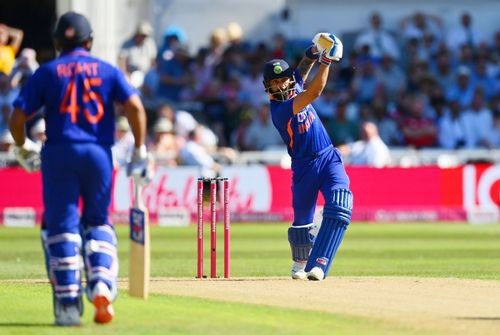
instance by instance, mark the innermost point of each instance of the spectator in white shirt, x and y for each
(195, 154)
(452, 127)
(419, 25)
(443, 71)
(251, 85)
(261, 134)
(370, 150)
(392, 77)
(463, 88)
(138, 53)
(378, 40)
(124, 143)
(165, 145)
(37, 132)
(483, 79)
(465, 33)
(479, 121)
(495, 109)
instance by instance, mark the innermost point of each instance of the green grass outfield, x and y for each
(424, 250)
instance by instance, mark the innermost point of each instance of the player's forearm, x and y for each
(17, 126)
(305, 66)
(320, 79)
(313, 91)
(307, 62)
(136, 115)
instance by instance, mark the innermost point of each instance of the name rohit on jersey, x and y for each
(70, 69)
(305, 120)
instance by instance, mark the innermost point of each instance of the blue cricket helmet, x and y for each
(276, 69)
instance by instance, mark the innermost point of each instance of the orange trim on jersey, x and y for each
(290, 132)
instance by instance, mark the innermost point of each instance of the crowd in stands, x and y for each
(427, 86)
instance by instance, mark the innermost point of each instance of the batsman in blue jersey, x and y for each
(77, 92)
(316, 164)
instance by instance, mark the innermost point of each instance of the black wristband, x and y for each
(309, 54)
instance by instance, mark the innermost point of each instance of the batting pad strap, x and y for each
(102, 233)
(340, 207)
(67, 291)
(66, 263)
(66, 237)
(101, 257)
(101, 273)
(94, 246)
(300, 242)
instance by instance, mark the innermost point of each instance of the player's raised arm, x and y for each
(306, 63)
(331, 49)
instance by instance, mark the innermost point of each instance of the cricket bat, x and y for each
(139, 260)
(324, 42)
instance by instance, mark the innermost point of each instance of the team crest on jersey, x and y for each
(305, 121)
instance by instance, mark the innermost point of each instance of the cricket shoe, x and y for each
(67, 315)
(298, 270)
(316, 274)
(101, 299)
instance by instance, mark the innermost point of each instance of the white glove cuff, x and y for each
(141, 152)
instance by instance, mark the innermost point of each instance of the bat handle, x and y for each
(137, 194)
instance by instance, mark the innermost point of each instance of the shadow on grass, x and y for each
(24, 324)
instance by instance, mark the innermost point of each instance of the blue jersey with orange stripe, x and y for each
(303, 133)
(78, 92)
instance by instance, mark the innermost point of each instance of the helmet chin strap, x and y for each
(283, 95)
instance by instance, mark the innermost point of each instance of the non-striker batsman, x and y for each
(316, 164)
(77, 92)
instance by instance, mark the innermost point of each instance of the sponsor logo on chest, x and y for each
(305, 120)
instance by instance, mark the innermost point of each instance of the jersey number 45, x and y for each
(91, 101)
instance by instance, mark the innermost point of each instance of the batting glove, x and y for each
(28, 155)
(138, 167)
(330, 46)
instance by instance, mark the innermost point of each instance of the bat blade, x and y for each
(325, 42)
(139, 259)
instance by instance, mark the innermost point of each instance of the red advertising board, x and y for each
(263, 193)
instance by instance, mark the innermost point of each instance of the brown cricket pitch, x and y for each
(440, 305)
